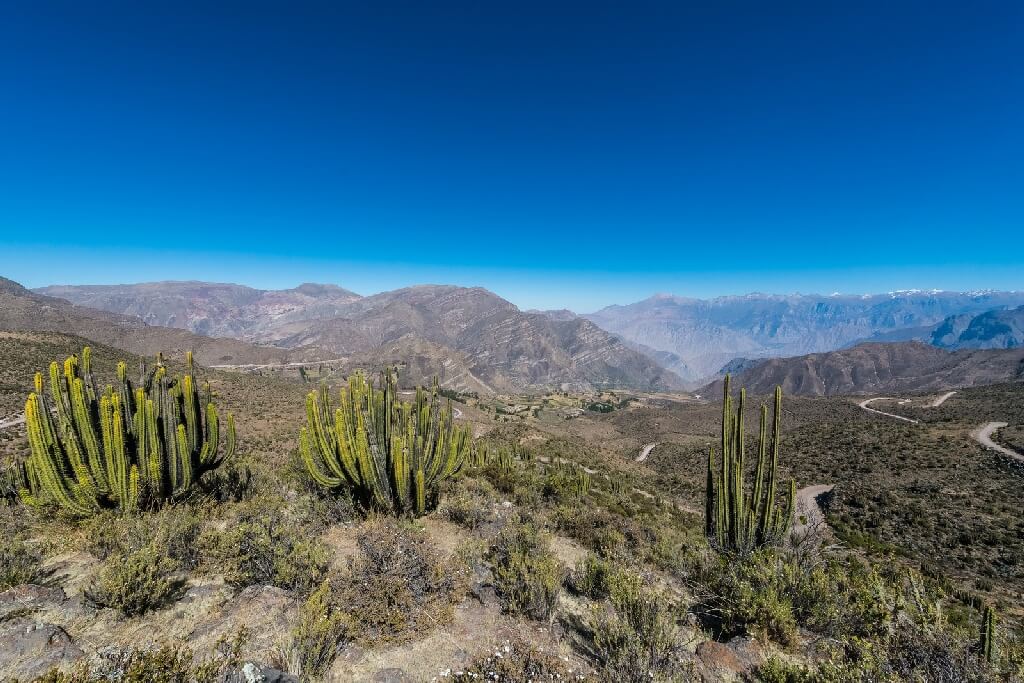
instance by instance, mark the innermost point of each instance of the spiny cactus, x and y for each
(13, 479)
(736, 521)
(391, 454)
(122, 448)
(987, 641)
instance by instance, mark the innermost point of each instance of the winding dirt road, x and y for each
(983, 435)
(645, 451)
(864, 404)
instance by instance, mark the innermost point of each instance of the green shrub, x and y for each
(19, 563)
(266, 547)
(469, 504)
(322, 631)
(174, 530)
(527, 575)
(168, 663)
(776, 670)
(597, 578)
(396, 586)
(136, 583)
(634, 632)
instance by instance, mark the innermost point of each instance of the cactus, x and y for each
(737, 521)
(124, 448)
(391, 454)
(13, 479)
(987, 641)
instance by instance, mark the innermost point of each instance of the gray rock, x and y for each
(392, 675)
(28, 598)
(29, 648)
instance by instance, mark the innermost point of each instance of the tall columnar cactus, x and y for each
(391, 454)
(126, 447)
(737, 521)
(987, 641)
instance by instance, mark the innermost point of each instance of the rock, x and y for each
(29, 648)
(28, 598)
(265, 612)
(252, 672)
(728, 661)
(110, 663)
(391, 675)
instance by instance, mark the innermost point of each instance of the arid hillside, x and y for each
(881, 368)
(471, 338)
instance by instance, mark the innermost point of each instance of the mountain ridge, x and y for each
(706, 334)
(489, 338)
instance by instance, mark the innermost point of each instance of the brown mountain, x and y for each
(880, 368)
(24, 310)
(211, 309)
(469, 337)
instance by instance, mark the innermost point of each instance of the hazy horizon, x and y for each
(521, 302)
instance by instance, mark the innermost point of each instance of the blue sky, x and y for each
(560, 154)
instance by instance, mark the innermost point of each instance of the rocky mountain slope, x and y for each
(874, 368)
(999, 329)
(469, 337)
(24, 310)
(211, 309)
(707, 334)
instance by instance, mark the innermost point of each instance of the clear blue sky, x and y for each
(563, 155)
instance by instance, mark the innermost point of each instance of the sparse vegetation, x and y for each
(396, 587)
(358, 588)
(136, 582)
(527, 575)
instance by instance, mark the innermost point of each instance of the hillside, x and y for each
(211, 309)
(880, 368)
(707, 334)
(470, 337)
(24, 310)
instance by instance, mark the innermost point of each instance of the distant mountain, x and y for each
(214, 310)
(470, 337)
(24, 310)
(999, 329)
(706, 334)
(875, 368)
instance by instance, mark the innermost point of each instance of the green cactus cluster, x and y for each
(987, 641)
(391, 454)
(737, 521)
(574, 478)
(124, 448)
(504, 457)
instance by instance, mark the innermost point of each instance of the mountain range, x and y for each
(471, 338)
(873, 368)
(706, 334)
(474, 340)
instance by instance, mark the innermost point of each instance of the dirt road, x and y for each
(864, 404)
(941, 399)
(645, 451)
(983, 435)
(807, 507)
